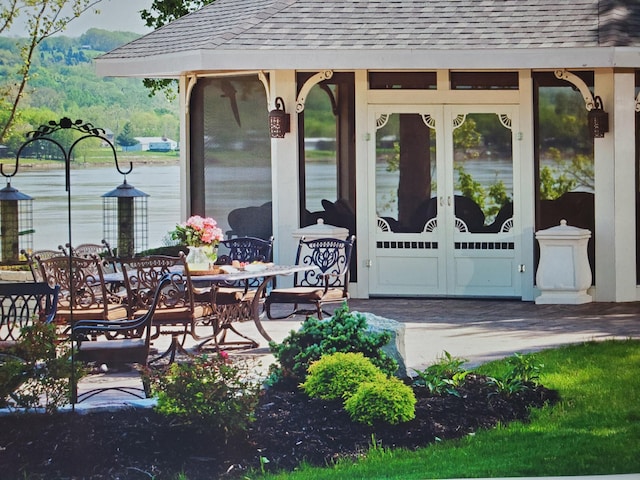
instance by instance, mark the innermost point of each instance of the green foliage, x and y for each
(525, 367)
(523, 374)
(210, 392)
(490, 202)
(389, 401)
(594, 430)
(125, 138)
(37, 371)
(106, 102)
(339, 375)
(344, 332)
(442, 377)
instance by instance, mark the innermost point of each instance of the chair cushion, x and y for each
(120, 350)
(114, 312)
(230, 295)
(181, 315)
(305, 294)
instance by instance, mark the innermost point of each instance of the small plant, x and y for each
(37, 370)
(339, 375)
(210, 392)
(443, 377)
(389, 401)
(525, 367)
(343, 332)
(507, 386)
(523, 374)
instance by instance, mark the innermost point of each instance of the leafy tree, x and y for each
(125, 139)
(161, 13)
(44, 19)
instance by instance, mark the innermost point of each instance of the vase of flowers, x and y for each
(202, 236)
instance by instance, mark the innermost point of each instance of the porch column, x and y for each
(614, 165)
(284, 174)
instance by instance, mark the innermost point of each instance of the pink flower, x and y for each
(198, 231)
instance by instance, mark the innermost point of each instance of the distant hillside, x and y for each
(63, 83)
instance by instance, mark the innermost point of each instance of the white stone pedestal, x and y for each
(563, 275)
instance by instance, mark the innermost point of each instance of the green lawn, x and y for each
(595, 429)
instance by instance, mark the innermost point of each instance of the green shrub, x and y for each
(343, 332)
(523, 374)
(339, 375)
(389, 401)
(210, 392)
(37, 371)
(444, 376)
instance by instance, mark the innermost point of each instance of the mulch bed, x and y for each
(289, 428)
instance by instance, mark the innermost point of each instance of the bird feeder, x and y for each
(16, 224)
(125, 219)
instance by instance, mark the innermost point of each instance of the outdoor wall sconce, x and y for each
(279, 120)
(598, 119)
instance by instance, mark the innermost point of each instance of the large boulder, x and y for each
(395, 348)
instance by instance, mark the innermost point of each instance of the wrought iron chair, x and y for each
(83, 291)
(232, 300)
(177, 307)
(326, 285)
(102, 250)
(119, 342)
(22, 303)
(34, 266)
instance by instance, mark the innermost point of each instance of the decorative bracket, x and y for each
(267, 88)
(304, 91)
(575, 80)
(191, 82)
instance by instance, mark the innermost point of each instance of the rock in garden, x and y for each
(395, 347)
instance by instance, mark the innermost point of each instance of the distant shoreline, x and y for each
(53, 165)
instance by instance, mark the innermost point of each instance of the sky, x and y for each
(115, 15)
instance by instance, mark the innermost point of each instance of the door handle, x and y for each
(449, 200)
(442, 201)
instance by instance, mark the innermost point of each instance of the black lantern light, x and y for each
(598, 119)
(279, 122)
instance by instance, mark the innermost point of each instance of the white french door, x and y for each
(442, 195)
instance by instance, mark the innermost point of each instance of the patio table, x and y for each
(254, 311)
(266, 276)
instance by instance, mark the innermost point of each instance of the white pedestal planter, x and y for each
(321, 230)
(563, 275)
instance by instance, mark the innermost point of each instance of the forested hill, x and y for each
(63, 82)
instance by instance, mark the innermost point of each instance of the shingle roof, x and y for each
(227, 26)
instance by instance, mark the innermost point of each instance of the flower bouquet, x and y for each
(202, 236)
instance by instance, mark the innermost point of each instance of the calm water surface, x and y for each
(161, 182)
(88, 185)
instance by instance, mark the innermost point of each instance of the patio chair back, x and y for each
(21, 304)
(101, 250)
(246, 249)
(34, 266)
(328, 283)
(83, 291)
(176, 307)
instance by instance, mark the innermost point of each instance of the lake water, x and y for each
(88, 185)
(161, 182)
